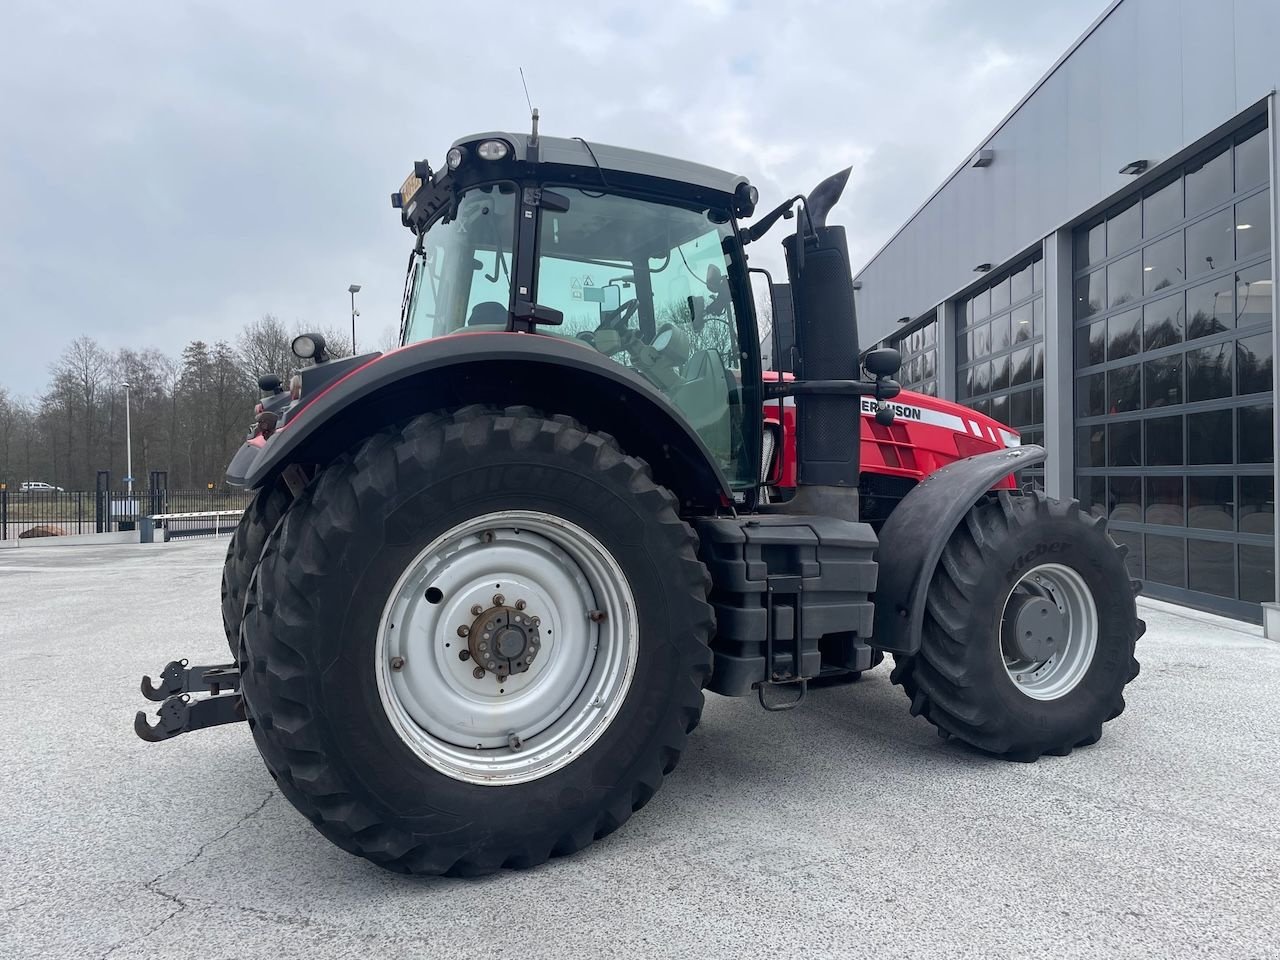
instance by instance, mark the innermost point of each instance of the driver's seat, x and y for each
(488, 313)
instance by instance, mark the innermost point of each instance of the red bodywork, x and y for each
(926, 434)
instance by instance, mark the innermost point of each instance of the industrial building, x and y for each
(1098, 273)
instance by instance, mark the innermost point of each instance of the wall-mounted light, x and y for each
(1135, 167)
(857, 284)
(983, 157)
(982, 268)
(904, 319)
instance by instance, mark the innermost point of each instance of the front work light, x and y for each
(493, 150)
(309, 346)
(454, 157)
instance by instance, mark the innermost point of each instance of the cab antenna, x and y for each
(533, 111)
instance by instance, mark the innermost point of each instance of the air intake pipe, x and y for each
(828, 415)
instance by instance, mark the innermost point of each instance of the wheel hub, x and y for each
(1034, 628)
(504, 640)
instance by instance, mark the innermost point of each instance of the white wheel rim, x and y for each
(1059, 674)
(528, 724)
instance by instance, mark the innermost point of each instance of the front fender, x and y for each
(500, 369)
(917, 531)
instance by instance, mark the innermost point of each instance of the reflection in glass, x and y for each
(1211, 567)
(1257, 573)
(1162, 208)
(1253, 295)
(1000, 407)
(1162, 264)
(1020, 284)
(1125, 498)
(1251, 160)
(1124, 281)
(1253, 226)
(1210, 505)
(1124, 334)
(1021, 366)
(1091, 293)
(1000, 372)
(1164, 501)
(1092, 494)
(1253, 364)
(1124, 389)
(1256, 440)
(980, 378)
(1020, 408)
(1210, 243)
(1257, 505)
(1164, 441)
(1162, 322)
(1209, 309)
(1000, 333)
(982, 340)
(1208, 180)
(1091, 246)
(1091, 445)
(1166, 559)
(1124, 443)
(1209, 437)
(1021, 322)
(1091, 395)
(1091, 344)
(981, 305)
(1163, 381)
(1209, 372)
(1124, 229)
(1000, 295)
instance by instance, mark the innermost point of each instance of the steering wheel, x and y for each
(622, 315)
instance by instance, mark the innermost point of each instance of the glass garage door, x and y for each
(1173, 390)
(1000, 352)
(919, 350)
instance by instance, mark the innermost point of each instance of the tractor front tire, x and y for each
(1029, 630)
(260, 518)
(478, 641)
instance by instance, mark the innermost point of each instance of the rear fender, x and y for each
(917, 531)
(551, 374)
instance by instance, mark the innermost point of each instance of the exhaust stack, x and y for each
(828, 425)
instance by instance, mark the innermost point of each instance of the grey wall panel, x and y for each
(1151, 78)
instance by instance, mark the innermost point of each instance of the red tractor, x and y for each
(488, 576)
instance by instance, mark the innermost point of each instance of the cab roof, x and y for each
(576, 152)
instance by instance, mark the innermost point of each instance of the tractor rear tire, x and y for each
(244, 551)
(971, 678)
(364, 629)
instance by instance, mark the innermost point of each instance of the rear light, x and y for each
(967, 446)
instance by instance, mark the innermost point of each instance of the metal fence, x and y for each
(69, 512)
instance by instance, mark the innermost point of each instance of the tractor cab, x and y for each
(631, 255)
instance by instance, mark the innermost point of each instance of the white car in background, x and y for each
(39, 486)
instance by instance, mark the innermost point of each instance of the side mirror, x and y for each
(884, 362)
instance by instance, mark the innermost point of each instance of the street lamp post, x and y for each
(128, 441)
(353, 290)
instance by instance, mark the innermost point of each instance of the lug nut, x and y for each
(478, 672)
(397, 663)
(534, 622)
(476, 609)
(520, 604)
(463, 630)
(498, 599)
(464, 655)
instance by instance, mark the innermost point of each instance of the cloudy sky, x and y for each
(169, 170)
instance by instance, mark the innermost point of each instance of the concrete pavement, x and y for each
(843, 828)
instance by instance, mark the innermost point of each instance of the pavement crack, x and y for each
(153, 886)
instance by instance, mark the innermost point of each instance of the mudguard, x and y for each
(914, 536)
(550, 373)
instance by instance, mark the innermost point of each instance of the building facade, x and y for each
(1099, 275)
